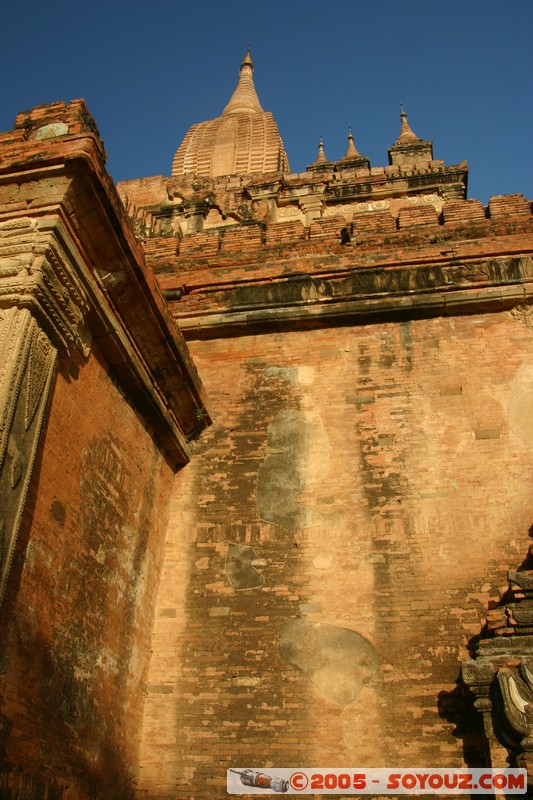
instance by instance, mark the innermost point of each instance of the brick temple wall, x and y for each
(333, 548)
(77, 616)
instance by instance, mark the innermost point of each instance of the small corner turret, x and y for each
(353, 157)
(321, 160)
(410, 149)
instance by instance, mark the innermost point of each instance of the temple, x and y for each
(266, 456)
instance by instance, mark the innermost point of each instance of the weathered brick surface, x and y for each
(79, 606)
(382, 474)
(412, 217)
(202, 245)
(241, 237)
(161, 248)
(284, 232)
(374, 222)
(509, 205)
(463, 211)
(327, 228)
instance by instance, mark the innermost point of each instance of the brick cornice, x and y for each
(435, 288)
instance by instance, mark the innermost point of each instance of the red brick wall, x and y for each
(79, 606)
(383, 474)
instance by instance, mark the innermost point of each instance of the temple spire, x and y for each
(321, 157)
(409, 149)
(351, 152)
(321, 160)
(244, 99)
(242, 140)
(247, 60)
(406, 133)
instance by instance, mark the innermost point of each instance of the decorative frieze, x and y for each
(358, 293)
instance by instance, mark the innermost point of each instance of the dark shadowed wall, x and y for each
(78, 610)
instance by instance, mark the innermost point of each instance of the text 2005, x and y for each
(343, 781)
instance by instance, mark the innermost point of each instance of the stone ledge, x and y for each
(365, 310)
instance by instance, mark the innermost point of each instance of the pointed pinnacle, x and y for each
(351, 152)
(406, 132)
(321, 154)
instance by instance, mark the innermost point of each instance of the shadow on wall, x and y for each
(457, 708)
(91, 765)
(80, 738)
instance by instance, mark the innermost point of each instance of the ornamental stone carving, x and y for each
(501, 674)
(42, 309)
(28, 360)
(37, 272)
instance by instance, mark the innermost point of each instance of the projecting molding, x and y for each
(85, 280)
(360, 294)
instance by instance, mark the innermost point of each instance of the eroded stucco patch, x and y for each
(339, 661)
(521, 403)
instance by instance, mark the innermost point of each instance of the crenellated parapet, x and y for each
(407, 255)
(185, 205)
(401, 221)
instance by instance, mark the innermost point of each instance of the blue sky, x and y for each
(463, 70)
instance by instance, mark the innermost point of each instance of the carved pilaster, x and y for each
(312, 207)
(28, 359)
(479, 676)
(195, 214)
(37, 272)
(42, 307)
